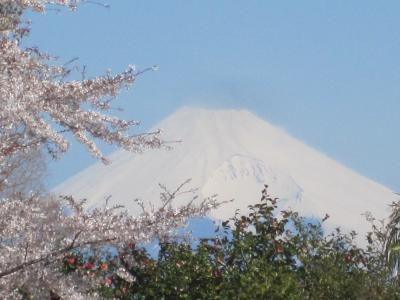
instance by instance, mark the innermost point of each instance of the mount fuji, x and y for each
(233, 153)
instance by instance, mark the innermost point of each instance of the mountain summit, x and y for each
(233, 153)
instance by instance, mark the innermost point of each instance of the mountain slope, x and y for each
(232, 153)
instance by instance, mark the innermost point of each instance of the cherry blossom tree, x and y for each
(39, 104)
(27, 172)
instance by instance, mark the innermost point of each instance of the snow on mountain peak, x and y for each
(233, 153)
(242, 177)
(242, 166)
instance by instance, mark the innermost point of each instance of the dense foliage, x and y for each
(259, 256)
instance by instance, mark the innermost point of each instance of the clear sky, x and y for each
(326, 71)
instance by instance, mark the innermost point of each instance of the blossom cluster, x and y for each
(39, 105)
(35, 95)
(36, 234)
(39, 5)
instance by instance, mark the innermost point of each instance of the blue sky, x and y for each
(326, 71)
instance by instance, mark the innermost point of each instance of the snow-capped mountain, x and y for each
(233, 153)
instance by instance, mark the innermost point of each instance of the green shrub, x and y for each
(262, 255)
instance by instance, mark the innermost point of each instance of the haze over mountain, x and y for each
(233, 153)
